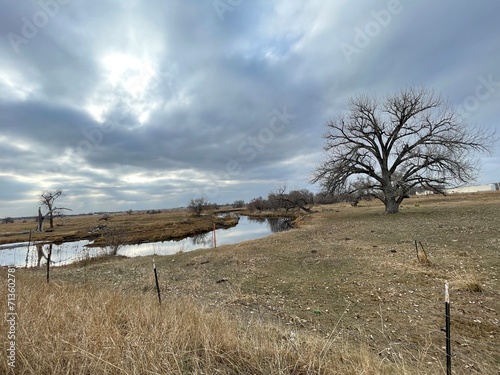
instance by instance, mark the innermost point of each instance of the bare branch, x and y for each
(47, 199)
(406, 140)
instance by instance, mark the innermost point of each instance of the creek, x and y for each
(19, 255)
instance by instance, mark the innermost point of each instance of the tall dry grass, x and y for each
(69, 329)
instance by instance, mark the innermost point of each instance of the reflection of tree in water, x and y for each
(275, 225)
(257, 219)
(40, 254)
(203, 239)
(279, 225)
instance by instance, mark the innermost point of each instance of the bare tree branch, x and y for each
(47, 199)
(406, 140)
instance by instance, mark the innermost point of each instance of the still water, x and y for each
(247, 229)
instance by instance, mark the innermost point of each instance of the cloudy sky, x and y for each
(130, 104)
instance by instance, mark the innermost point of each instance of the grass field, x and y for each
(343, 293)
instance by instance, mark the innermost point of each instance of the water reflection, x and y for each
(275, 225)
(40, 254)
(247, 229)
(37, 255)
(205, 239)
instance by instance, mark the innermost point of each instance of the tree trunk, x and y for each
(39, 227)
(51, 220)
(391, 205)
(40, 254)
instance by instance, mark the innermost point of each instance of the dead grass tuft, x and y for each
(468, 281)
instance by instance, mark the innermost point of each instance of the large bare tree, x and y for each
(392, 145)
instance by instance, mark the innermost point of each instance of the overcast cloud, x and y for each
(129, 104)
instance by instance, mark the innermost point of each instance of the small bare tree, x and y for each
(406, 140)
(47, 199)
(294, 200)
(198, 205)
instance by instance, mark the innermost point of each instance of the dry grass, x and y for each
(467, 281)
(68, 329)
(347, 283)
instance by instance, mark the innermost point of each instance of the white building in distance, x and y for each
(463, 189)
(474, 188)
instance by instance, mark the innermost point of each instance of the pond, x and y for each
(62, 254)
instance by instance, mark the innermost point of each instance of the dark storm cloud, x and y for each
(13, 190)
(43, 123)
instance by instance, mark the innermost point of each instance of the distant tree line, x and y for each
(292, 201)
(304, 200)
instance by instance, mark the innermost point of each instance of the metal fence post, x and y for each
(447, 328)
